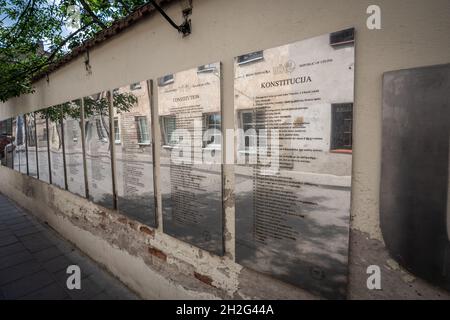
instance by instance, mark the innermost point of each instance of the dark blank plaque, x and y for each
(414, 172)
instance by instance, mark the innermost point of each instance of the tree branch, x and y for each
(92, 14)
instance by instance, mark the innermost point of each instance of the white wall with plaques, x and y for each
(189, 109)
(73, 147)
(98, 148)
(133, 152)
(294, 105)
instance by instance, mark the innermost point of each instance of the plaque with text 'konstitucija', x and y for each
(293, 112)
(133, 145)
(191, 172)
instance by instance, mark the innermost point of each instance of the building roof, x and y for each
(118, 26)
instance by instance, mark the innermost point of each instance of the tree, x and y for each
(36, 33)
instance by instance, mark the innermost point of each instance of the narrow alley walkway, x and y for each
(34, 259)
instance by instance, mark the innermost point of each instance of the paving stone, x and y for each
(36, 242)
(18, 271)
(89, 289)
(7, 240)
(34, 259)
(51, 292)
(47, 254)
(26, 285)
(57, 264)
(26, 231)
(15, 220)
(11, 249)
(14, 259)
(21, 225)
(102, 296)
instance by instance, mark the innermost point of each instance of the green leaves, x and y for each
(35, 33)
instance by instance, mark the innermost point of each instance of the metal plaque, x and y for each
(20, 155)
(56, 147)
(293, 155)
(6, 143)
(98, 149)
(414, 194)
(42, 146)
(191, 172)
(30, 133)
(133, 150)
(73, 147)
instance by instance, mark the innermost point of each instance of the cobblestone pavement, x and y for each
(34, 259)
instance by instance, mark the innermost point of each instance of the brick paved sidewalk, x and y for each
(34, 259)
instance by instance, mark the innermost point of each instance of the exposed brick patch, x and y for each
(132, 225)
(203, 278)
(146, 230)
(157, 253)
(100, 212)
(123, 220)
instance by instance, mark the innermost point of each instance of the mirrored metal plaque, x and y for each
(98, 149)
(73, 147)
(55, 139)
(20, 155)
(42, 146)
(133, 149)
(293, 115)
(415, 183)
(30, 132)
(6, 143)
(191, 172)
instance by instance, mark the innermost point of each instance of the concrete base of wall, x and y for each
(157, 266)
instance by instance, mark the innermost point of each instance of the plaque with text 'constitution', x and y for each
(55, 140)
(42, 146)
(98, 149)
(133, 150)
(73, 147)
(191, 172)
(30, 133)
(293, 115)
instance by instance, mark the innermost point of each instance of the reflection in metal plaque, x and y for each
(293, 114)
(415, 163)
(20, 156)
(55, 140)
(191, 171)
(42, 146)
(30, 133)
(6, 143)
(133, 152)
(73, 147)
(98, 149)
